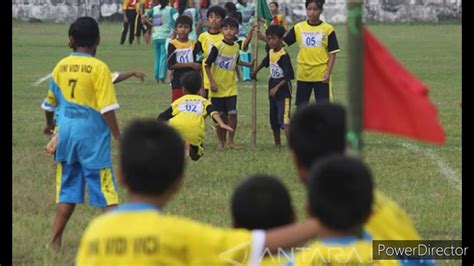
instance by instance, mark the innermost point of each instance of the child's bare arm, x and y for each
(194, 66)
(111, 121)
(211, 78)
(275, 89)
(217, 117)
(291, 235)
(331, 60)
(248, 39)
(48, 128)
(242, 63)
(128, 74)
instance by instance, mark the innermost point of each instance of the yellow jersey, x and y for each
(207, 40)
(315, 43)
(187, 115)
(223, 60)
(139, 234)
(389, 221)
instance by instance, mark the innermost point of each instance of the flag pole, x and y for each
(254, 81)
(355, 74)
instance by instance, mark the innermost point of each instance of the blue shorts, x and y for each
(71, 180)
(279, 112)
(225, 105)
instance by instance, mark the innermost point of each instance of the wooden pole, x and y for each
(254, 82)
(355, 74)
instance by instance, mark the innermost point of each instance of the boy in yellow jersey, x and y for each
(82, 98)
(318, 130)
(340, 198)
(262, 202)
(317, 53)
(140, 233)
(279, 84)
(215, 14)
(187, 115)
(221, 65)
(278, 17)
(184, 55)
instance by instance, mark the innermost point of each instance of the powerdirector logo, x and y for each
(418, 250)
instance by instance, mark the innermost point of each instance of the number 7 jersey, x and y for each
(80, 91)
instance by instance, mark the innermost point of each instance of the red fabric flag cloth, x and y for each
(394, 100)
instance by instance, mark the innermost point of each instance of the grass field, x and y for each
(424, 179)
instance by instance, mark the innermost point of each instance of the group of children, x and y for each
(344, 208)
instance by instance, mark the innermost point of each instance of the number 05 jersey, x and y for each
(80, 91)
(315, 43)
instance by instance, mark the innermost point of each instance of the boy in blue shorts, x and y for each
(279, 85)
(82, 98)
(140, 232)
(220, 68)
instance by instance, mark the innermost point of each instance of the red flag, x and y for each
(394, 100)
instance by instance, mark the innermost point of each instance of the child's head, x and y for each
(275, 36)
(163, 3)
(273, 7)
(261, 202)
(314, 8)
(84, 32)
(230, 6)
(242, 2)
(183, 26)
(151, 158)
(215, 14)
(191, 82)
(316, 130)
(340, 193)
(229, 28)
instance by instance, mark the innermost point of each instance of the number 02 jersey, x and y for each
(315, 43)
(80, 91)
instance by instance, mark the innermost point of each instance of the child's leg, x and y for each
(273, 114)
(131, 14)
(162, 63)
(63, 213)
(284, 107)
(124, 32)
(303, 92)
(156, 45)
(222, 133)
(321, 92)
(246, 57)
(69, 191)
(138, 27)
(231, 107)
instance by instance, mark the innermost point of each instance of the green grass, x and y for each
(409, 174)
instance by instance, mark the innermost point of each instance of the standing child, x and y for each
(187, 115)
(247, 10)
(163, 23)
(279, 85)
(183, 55)
(185, 8)
(278, 17)
(82, 98)
(221, 69)
(130, 16)
(215, 15)
(317, 54)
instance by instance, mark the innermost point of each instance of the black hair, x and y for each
(230, 6)
(275, 3)
(151, 156)
(184, 20)
(163, 3)
(84, 31)
(235, 15)
(230, 22)
(319, 3)
(216, 10)
(240, 2)
(340, 192)
(191, 81)
(261, 202)
(317, 130)
(276, 30)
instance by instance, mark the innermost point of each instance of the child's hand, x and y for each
(252, 63)
(213, 86)
(326, 77)
(273, 91)
(140, 75)
(196, 66)
(226, 127)
(254, 75)
(48, 130)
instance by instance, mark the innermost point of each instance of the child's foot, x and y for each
(222, 145)
(234, 146)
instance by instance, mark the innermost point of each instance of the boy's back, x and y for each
(139, 234)
(82, 90)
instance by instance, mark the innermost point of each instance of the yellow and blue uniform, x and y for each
(80, 92)
(139, 234)
(207, 40)
(315, 43)
(280, 104)
(187, 115)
